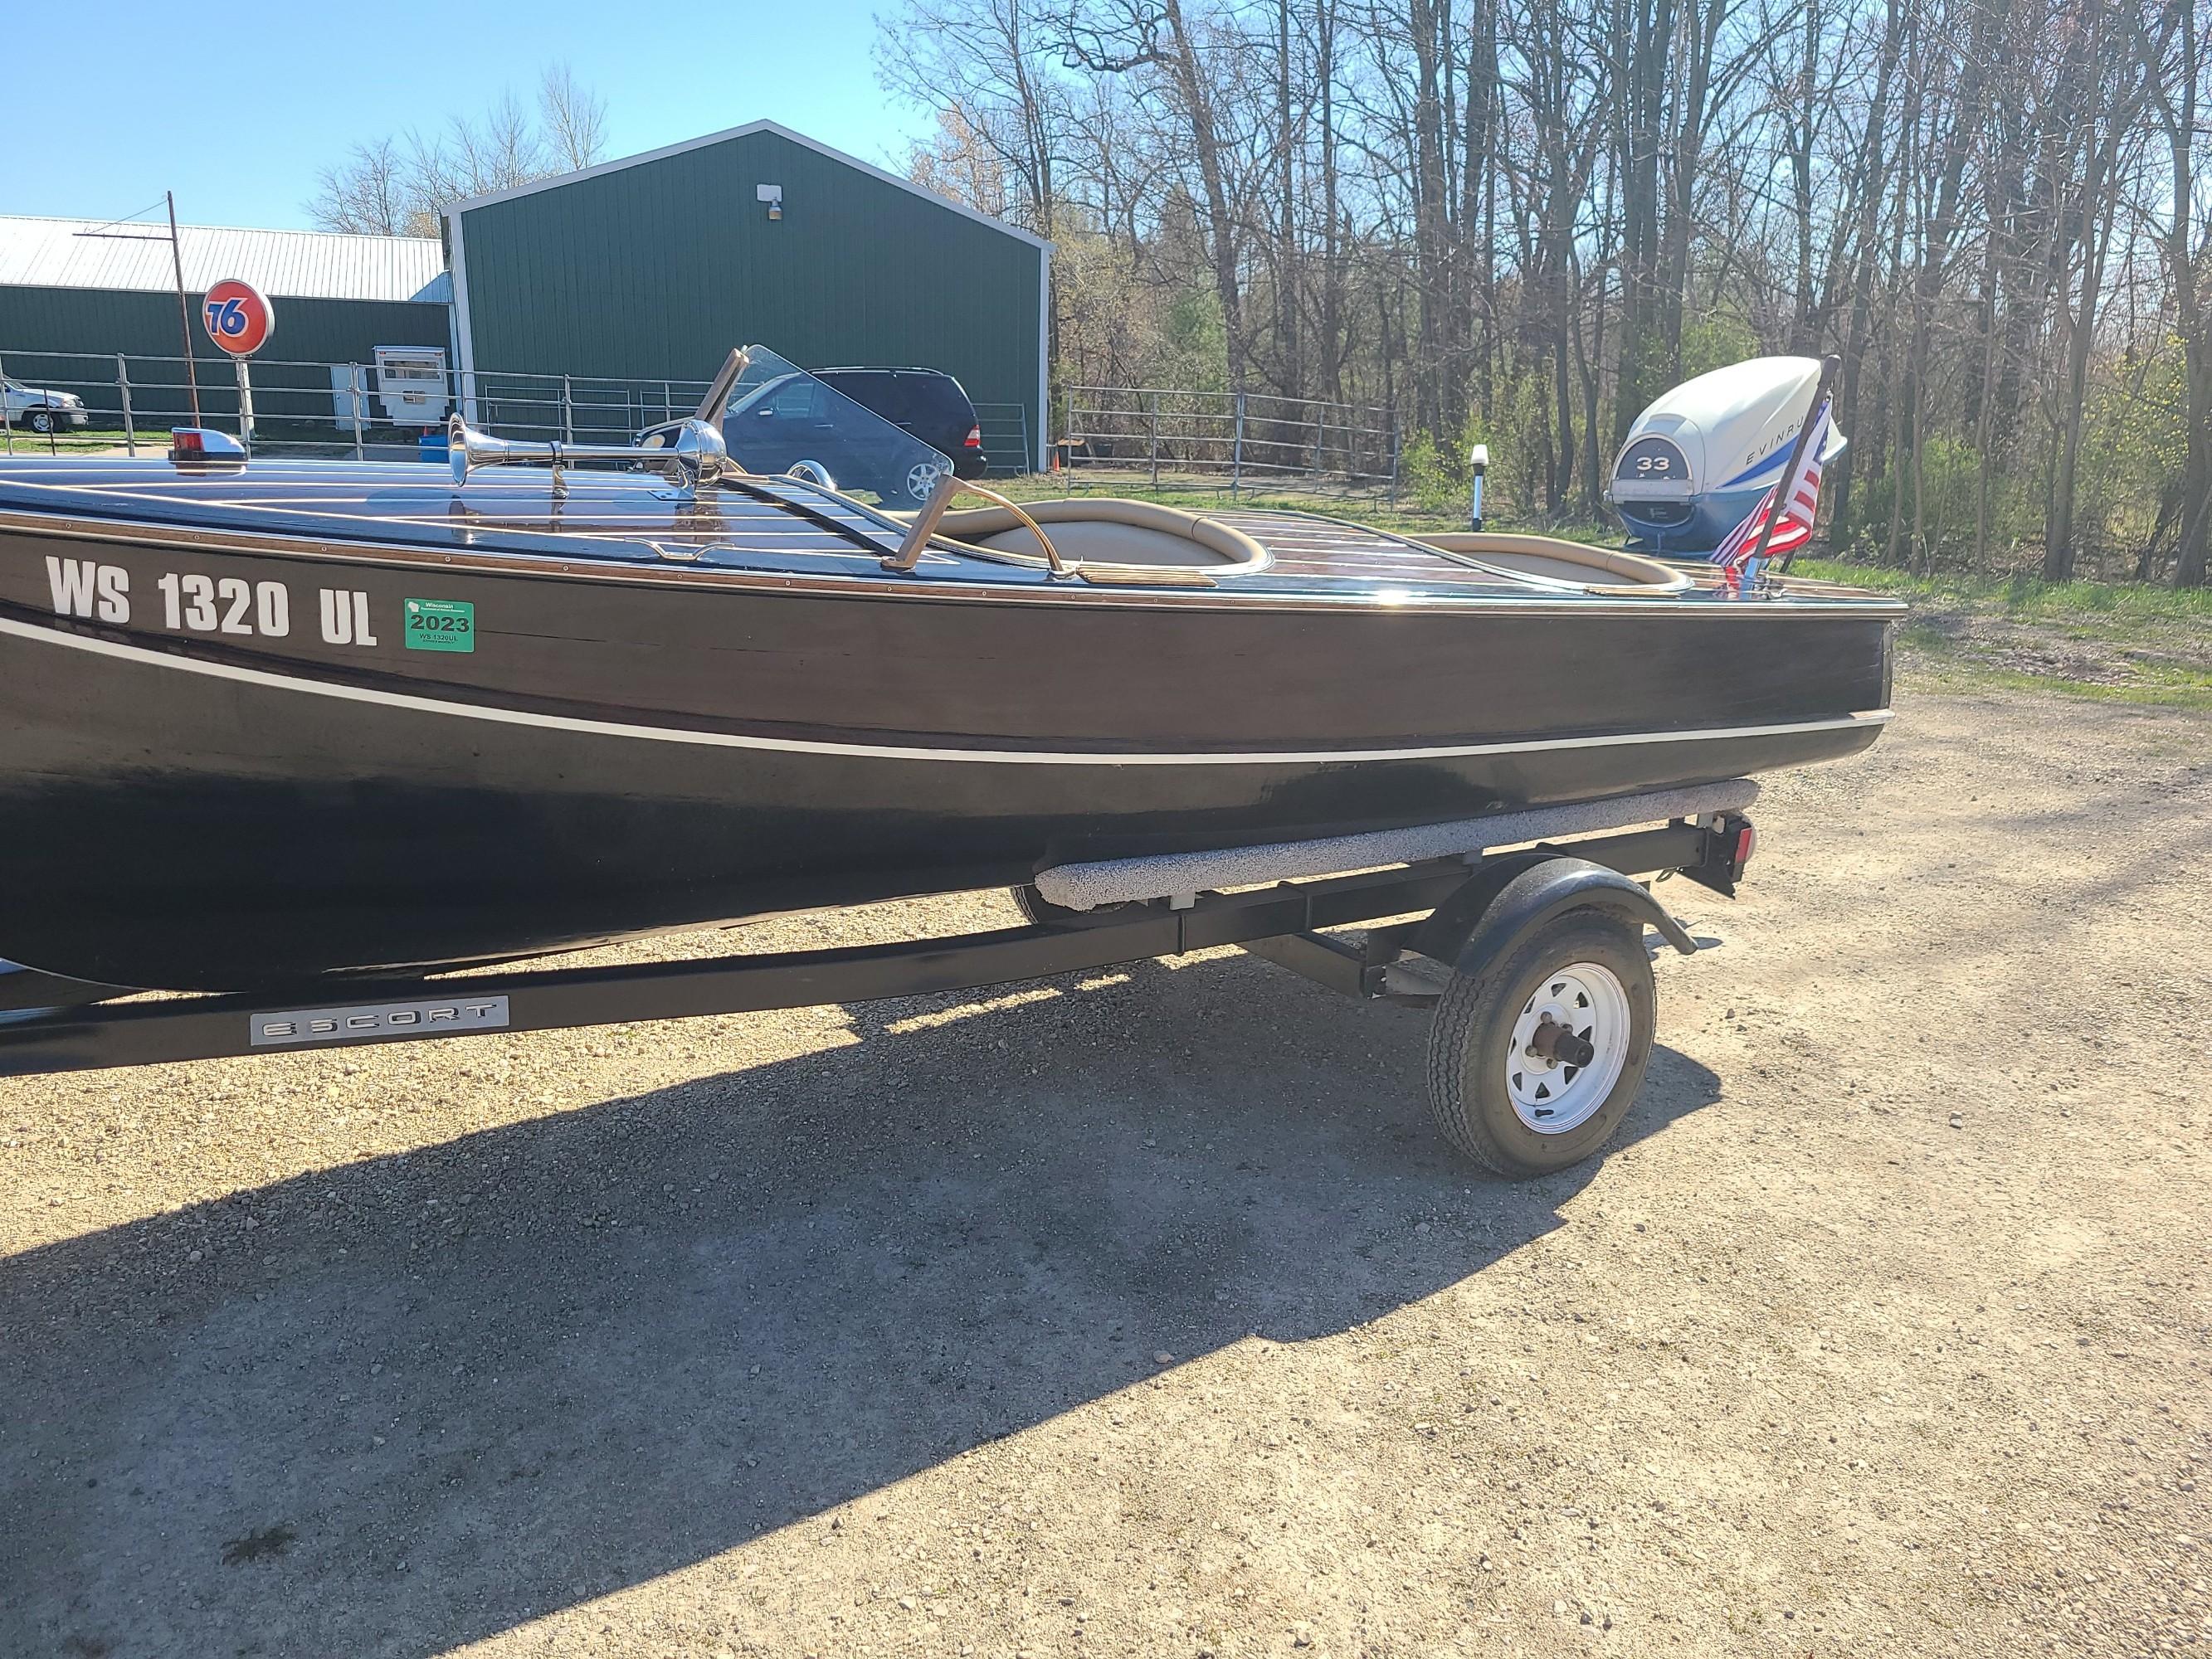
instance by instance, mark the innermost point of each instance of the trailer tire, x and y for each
(1041, 912)
(1512, 1111)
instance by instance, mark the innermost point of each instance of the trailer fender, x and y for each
(1510, 898)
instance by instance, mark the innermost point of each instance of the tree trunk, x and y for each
(1643, 32)
(1192, 85)
(1288, 264)
(2105, 120)
(1871, 184)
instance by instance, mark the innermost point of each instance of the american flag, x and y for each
(1801, 496)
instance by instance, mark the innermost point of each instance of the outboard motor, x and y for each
(1697, 460)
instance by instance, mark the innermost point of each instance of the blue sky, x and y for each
(143, 98)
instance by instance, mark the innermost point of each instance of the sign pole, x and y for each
(122, 393)
(244, 406)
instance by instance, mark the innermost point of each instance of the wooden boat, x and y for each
(262, 720)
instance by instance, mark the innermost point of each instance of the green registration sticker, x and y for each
(441, 625)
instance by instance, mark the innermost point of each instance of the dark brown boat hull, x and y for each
(223, 812)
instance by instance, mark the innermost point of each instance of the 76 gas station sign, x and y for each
(239, 320)
(239, 317)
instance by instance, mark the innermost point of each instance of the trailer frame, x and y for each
(1415, 939)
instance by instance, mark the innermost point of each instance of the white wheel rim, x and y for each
(1549, 1096)
(921, 479)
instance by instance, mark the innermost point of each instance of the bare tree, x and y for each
(366, 193)
(2173, 50)
(400, 185)
(1534, 215)
(1117, 37)
(572, 119)
(988, 68)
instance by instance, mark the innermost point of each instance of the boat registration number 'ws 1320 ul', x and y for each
(194, 603)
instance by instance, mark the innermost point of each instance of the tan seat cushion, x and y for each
(1550, 558)
(1108, 530)
(1105, 542)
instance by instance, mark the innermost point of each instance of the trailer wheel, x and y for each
(1534, 1058)
(1041, 912)
(1037, 909)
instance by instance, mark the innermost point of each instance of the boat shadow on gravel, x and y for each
(421, 1400)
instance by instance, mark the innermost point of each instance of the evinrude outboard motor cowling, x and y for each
(1697, 460)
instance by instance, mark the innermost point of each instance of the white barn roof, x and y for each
(298, 264)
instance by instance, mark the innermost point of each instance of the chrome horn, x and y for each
(698, 455)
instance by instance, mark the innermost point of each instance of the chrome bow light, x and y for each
(190, 445)
(698, 455)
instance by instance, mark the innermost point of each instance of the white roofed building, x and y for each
(76, 293)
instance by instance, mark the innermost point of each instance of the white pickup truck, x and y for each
(39, 408)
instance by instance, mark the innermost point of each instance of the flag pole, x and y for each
(1829, 369)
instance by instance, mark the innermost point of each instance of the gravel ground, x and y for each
(1142, 1314)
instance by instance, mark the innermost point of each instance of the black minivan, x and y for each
(927, 402)
(790, 419)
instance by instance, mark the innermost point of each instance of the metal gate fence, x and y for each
(300, 408)
(1231, 439)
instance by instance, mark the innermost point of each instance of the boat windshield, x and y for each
(779, 419)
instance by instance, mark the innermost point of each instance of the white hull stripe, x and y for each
(895, 751)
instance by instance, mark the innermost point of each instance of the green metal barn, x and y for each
(653, 266)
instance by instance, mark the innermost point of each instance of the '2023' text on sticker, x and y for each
(440, 625)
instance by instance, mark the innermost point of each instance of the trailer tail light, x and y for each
(1726, 842)
(974, 440)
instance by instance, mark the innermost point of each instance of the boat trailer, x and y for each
(1534, 961)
